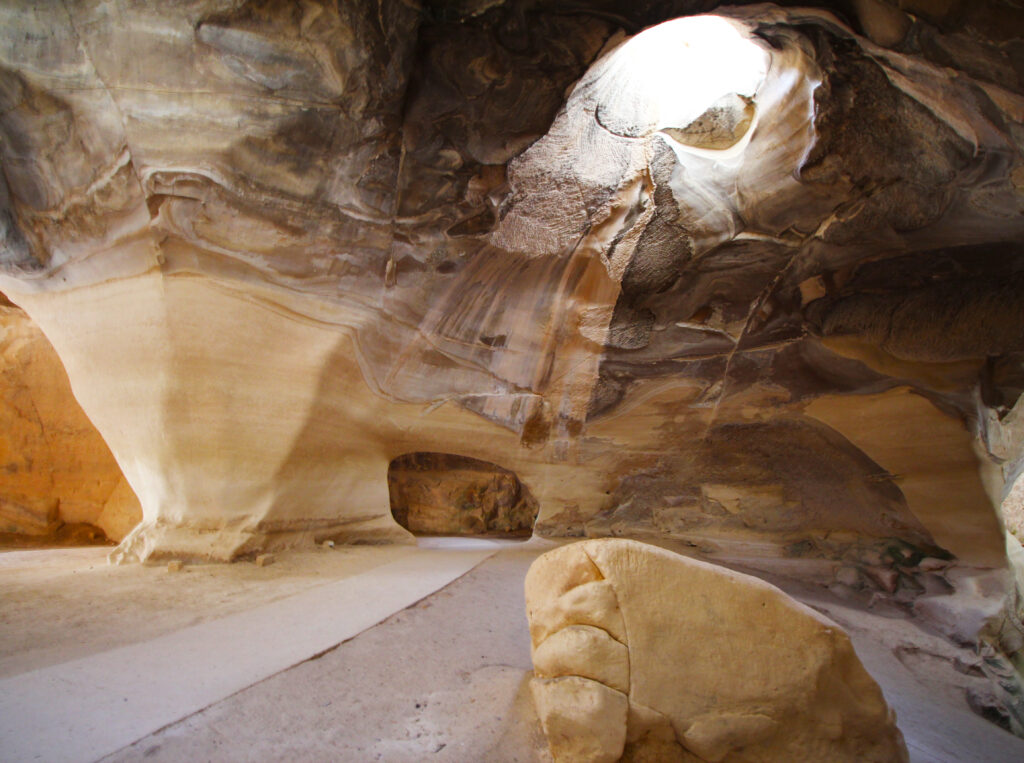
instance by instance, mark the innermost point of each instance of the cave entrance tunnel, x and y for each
(448, 494)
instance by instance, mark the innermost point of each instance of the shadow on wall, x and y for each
(447, 494)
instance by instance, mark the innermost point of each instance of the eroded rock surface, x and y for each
(642, 654)
(278, 246)
(56, 474)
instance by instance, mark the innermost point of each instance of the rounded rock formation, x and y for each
(642, 654)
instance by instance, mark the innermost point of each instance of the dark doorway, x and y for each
(446, 494)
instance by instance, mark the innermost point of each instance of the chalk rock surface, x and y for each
(724, 280)
(55, 470)
(642, 654)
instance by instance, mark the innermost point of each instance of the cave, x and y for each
(447, 494)
(700, 326)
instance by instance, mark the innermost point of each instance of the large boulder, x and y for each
(642, 653)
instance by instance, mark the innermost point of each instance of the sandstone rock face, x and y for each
(55, 468)
(278, 246)
(703, 665)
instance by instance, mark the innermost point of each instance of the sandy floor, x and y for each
(444, 679)
(61, 604)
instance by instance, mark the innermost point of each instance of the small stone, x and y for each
(328, 544)
(931, 564)
(885, 577)
(175, 565)
(882, 23)
(263, 560)
(845, 592)
(848, 576)
(812, 289)
(872, 557)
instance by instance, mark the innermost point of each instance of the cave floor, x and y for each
(391, 654)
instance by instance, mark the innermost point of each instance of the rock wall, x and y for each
(58, 475)
(753, 295)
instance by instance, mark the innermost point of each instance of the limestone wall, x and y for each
(747, 303)
(56, 470)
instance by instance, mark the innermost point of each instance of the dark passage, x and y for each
(446, 494)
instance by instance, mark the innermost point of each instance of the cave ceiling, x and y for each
(754, 277)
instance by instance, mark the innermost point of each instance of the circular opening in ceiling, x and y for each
(694, 79)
